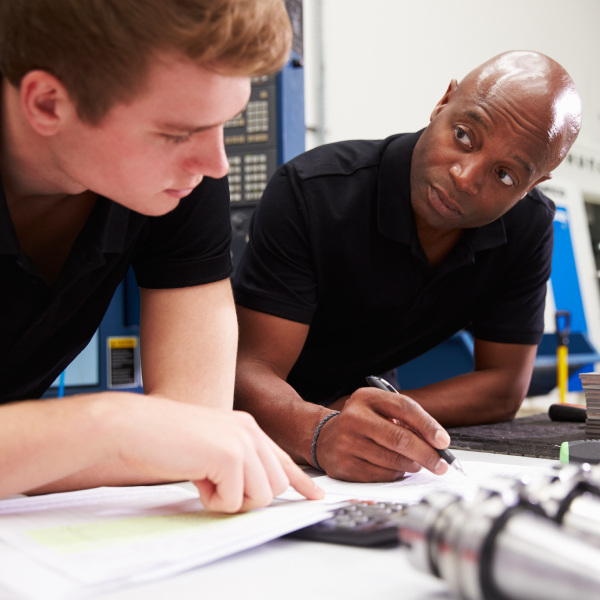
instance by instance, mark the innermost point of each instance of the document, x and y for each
(78, 544)
(414, 486)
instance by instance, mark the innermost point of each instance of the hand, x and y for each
(232, 462)
(363, 443)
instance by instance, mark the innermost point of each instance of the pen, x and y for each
(382, 384)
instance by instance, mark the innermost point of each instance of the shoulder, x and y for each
(538, 204)
(533, 212)
(529, 226)
(339, 158)
(198, 228)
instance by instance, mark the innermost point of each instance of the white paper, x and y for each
(79, 543)
(417, 485)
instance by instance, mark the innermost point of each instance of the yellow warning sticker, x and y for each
(122, 342)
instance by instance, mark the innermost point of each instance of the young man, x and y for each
(365, 254)
(112, 155)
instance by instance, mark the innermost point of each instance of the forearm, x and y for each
(119, 438)
(107, 473)
(108, 470)
(279, 410)
(479, 397)
(42, 441)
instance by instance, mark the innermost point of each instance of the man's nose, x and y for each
(207, 155)
(467, 175)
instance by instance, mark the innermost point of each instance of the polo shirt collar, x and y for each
(395, 215)
(108, 221)
(488, 236)
(395, 212)
(113, 226)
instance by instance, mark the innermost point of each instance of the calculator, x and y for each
(357, 524)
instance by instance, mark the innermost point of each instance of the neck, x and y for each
(27, 163)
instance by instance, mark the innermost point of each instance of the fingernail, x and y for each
(442, 439)
(441, 467)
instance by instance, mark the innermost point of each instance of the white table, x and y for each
(287, 569)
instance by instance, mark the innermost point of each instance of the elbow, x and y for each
(508, 405)
(510, 411)
(510, 394)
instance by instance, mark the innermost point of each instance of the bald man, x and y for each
(366, 254)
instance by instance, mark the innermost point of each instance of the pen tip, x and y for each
(458, 467)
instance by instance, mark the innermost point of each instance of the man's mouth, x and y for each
(179, 193)
(442, 203)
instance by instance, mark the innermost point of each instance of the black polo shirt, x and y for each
(45, 326)
(334, 244)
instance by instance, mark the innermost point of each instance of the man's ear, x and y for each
(445, 99)
(540, 180)
(44, 101)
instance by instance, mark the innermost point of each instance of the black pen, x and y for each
(382, 384)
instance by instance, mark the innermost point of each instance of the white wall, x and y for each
(387, 62)
(377, 67)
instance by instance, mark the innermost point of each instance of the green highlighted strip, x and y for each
(89, 536)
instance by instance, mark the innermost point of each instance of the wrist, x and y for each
(110, 416)
(315, 439)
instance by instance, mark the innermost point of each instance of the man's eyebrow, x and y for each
(183, 127)
(473, 115)
(527, 166)
(477, 118)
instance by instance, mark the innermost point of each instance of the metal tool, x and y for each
(570, 496)
(502, 544)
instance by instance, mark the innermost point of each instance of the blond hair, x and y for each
(101, 50)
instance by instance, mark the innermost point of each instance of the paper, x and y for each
(417, 485)
(81, 543)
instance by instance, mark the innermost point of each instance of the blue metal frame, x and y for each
(291, 135)
(565, 284)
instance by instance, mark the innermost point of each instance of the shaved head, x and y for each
(491, 139)
(539, 91)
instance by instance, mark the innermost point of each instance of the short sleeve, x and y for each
(191, 244)
(513, 310)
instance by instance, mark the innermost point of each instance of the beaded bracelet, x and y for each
(313, 447)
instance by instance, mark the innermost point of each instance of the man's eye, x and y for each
(463, 137)
(505, 178)
(176, 139)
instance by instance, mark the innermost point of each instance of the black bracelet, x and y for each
(313, 447)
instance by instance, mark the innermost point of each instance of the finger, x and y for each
(403, 441)
(389, 445)
(257, 487)
(269, 455)
(370, 473)
(297, 478)
(362, 456)
(376, 427)
(350, 449)
(206, 491)
(223, 491)
(411, 414)
(360, 470)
